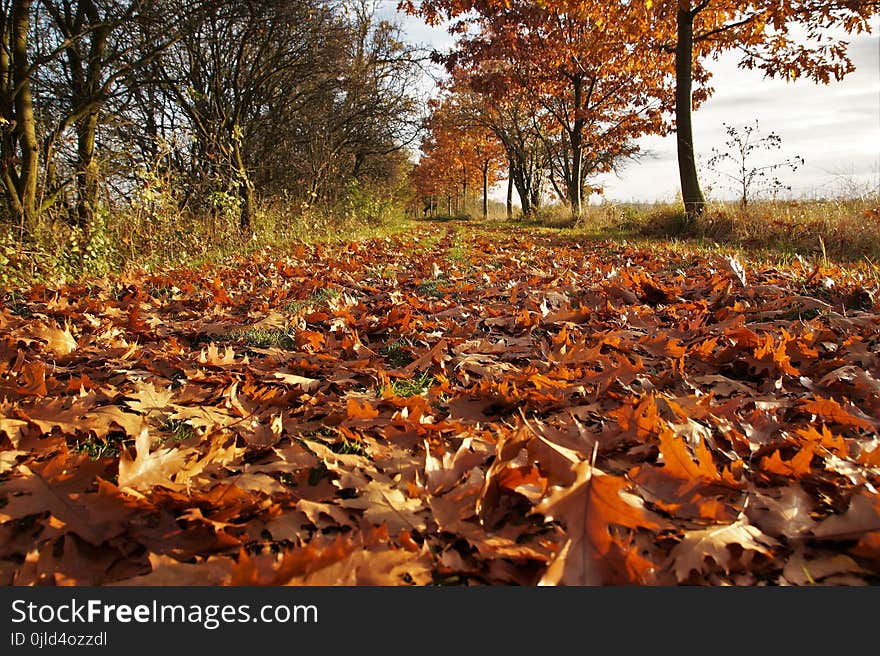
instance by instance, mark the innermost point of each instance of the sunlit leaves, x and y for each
(563, 413)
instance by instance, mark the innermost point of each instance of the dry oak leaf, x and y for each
(387, 505)
(678, 463)
(799, 465)
(59, 341)
(832, 411)
(800, 571)
(150, 468)
(786, 514)
(169, 571)
(58, 487)
(862, 516)
(306, 384)
(588, 508)
(689, 554)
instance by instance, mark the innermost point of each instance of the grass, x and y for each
(841, 230)
(317, 297)
(126, 238)
(406, 387)
(397, 353)
(97, 448)
(262, 337)
(431, 288)
(177, 430)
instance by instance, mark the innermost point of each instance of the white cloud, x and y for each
(835, 128)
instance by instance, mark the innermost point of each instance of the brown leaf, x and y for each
(589, 508)
(862, 516)
(690, 554)
(150, 468)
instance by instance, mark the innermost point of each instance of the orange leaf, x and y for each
(589, 508)
(832, 411)
(357, 410)
(799, 465)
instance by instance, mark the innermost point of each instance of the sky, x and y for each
(835, 128)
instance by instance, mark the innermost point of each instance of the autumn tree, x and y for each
(512, 119)
(574, 60)
(789, 39)
(459, 123)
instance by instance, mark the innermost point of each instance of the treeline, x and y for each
(551, 94)
(209, 109)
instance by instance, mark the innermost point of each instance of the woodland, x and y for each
(263, 321)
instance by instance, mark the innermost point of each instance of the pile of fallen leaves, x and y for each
(448, 407)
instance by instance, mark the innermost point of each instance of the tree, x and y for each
(743, 143)
(20, 148)
(783, 38)
(93, 51)
(461, 121)
(596, 90)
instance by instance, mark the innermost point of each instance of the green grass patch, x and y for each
(317, 297)
(262, 337)
(397, 353)
(98, 448)
(413, 386)
(177, 430)
(431, 288)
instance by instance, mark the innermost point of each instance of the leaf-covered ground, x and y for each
(455, 406)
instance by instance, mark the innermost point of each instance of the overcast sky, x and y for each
(835, 128)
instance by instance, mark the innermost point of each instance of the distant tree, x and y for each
(743, 147)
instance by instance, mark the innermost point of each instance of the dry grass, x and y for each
(843, 230)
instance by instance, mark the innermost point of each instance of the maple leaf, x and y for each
(211, 355)
(690, 554)
(150, 468)
(588, 508)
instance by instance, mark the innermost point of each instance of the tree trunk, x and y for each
(694, 202)
(522, 190)
(575, 185)
(245, 190)
(485, 190)
(87, 173)
(509, 192)
(22, 186)
(464, 191)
